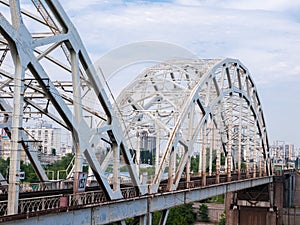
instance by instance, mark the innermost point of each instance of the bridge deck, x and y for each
(91, 207)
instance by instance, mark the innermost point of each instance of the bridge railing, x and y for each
(53, 202)
(72, 201)
(28, 205)
(3, 208)
(67, 184)
(40, 186)
(85, 198)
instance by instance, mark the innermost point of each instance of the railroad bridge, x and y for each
(177, 110)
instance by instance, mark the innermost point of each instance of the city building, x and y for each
(290, 152)
(45, 138)
(283, 155)
(5, 147)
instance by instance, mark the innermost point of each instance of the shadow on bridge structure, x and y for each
(176, 111)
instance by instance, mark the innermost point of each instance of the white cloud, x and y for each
(264, 35)
(78, 5)
(256, 36)
(268, 5)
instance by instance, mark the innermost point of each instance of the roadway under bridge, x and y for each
(177, 110)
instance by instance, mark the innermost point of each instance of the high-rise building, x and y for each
(46, 138)
(5, 147)
(283, 155)
(290, 152)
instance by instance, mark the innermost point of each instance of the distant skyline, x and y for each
(263, 35)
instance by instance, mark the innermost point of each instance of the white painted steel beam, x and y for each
(224, 93)
(68, 34)
(172, 106)
(121, 209)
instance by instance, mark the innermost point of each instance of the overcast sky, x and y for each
(263, 35)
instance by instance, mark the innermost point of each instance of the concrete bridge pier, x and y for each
(260, 205)
(232, 213)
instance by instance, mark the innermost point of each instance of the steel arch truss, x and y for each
(180, 109)
(45, 70)
(175, 110)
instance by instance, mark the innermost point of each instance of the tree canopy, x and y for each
(30, 175)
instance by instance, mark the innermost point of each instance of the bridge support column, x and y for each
(164, 216)
(229, 160)
(17, 117)
(78, 116)
(265, 164)
(157, 150)
(200, 162)
(261, 205)
(260, 161)
(146, 219)
(218, 161)
(247, 150)
(278, 198)
(116, 167)
(272, 214)
(210, 159)
(232, 212)
(240, 140)
(254, 154)
(188, 172)
(15, 154)
(138, 155)
(172, 168)
(203, 175)
(271, 218)
(239, 212)
(212, 147)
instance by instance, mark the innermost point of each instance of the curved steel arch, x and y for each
(176, 108)
(51, 74)
(176, 102)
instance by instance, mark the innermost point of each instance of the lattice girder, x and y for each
(173, 101)
(178, 108)
(46, 70)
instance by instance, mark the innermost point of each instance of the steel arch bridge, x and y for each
(194, 106)
(176, 111)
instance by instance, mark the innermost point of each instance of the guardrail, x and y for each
(70, 201)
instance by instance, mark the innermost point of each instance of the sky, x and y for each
(263, 35)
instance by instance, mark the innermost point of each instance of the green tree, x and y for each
(219, 199)
(203, 213)
(194, 164)
(181, 215)
(223, 158)
(146, 157)
(156, 218)
(243, 166)
(4, 164)
(61, 164)
(30, 175)
(222, 219)
(150, 170)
